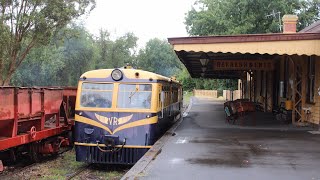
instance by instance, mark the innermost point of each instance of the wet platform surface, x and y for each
(206, 147)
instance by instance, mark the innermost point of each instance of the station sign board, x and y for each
(242, 65)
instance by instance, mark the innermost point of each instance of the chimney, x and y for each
(290, 23)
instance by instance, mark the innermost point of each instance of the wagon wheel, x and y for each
(33, 132)
(34, 152)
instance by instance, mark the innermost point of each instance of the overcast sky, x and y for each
(147, 19)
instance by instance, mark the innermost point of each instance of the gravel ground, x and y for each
(62, 167)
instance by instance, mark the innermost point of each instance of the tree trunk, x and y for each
(5, 82)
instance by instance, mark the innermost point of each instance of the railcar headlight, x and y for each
(116, 75)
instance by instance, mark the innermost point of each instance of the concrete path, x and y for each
(205, 147)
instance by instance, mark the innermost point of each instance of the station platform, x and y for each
(206, 147)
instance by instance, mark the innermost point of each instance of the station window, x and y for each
(311, 80)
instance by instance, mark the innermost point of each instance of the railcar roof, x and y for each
(129, 73)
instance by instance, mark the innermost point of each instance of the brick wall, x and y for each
(236, 94)
(205, 93)
(227, 95)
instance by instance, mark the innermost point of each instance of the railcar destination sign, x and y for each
(266, 65)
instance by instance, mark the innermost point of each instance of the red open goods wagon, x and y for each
(37, 119)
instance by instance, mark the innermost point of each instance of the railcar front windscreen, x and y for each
(96, 95)
(134, 96)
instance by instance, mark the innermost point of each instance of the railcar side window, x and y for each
(134, 96)
(96, 95)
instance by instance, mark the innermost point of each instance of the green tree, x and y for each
(309, 12)
(185, 79)
(122, 50)
(216, 17)
(25, 24)
(40, 67)
(103, 44)
(79, 56)
(59, 63)
(158, 57)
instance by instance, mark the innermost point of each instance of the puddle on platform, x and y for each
(221, 162)
(225, 158)
(215, 141)
(237, 155)
(182, 140)
(176, 161)
(257, 149)
(314, 132)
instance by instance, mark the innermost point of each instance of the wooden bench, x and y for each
(238, 109)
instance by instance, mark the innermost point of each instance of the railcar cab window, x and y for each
(96, 95)
(137, 96)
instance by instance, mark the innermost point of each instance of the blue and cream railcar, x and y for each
(121, 113)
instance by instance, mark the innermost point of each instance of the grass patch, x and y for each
(63, 166)
(103, 171)
(108, 174)
(52, 167)
(70, 157)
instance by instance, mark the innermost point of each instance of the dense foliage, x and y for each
(26, 24)
(216, 17)
(208, 84)
(158, 57)
(64, 59)
(58, 52)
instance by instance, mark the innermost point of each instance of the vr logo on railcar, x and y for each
(113, 120)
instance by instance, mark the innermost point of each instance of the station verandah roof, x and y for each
(199, 54)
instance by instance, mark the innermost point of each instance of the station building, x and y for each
(274, 70)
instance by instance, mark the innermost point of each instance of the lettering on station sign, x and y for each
(265, 65)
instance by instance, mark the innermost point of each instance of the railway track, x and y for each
(24, 165)
(98, 171)
(63, 167)
(78, 171)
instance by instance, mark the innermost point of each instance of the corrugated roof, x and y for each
(244, 38)
(313, 28)
(241, 47)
